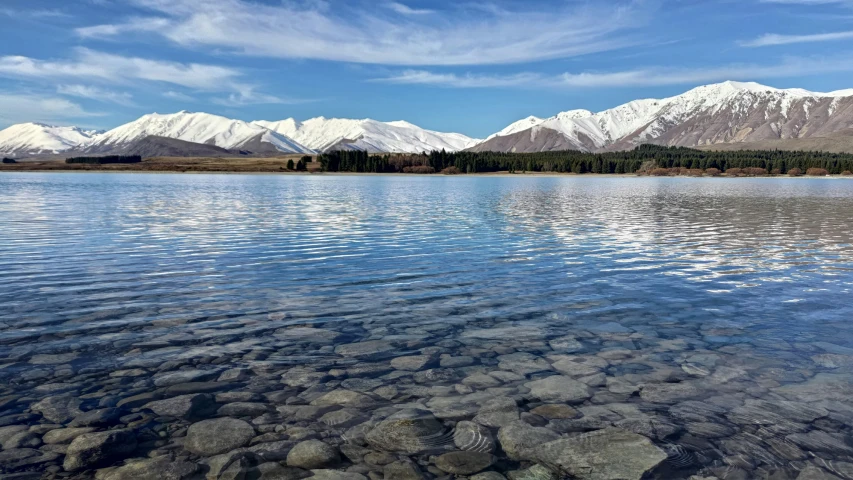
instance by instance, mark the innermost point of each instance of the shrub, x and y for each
(695, 172)
(307, 159)
(795, 172)
(451, 170)
(9, 160)
(846, 173)
(647, 167)
(105, 159)
(290, 164)
(776, 171)
(734, 172)
(660, 172)
(419, 169)
(817, 172)
(712, 172)
(754, 171)
(300, 166)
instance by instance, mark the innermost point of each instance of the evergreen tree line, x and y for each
(8, 160)
(105, 160)
(571, 161)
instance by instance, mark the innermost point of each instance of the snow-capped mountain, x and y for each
(323, 134)
(727, 112)
(197, 128)
(40, 139)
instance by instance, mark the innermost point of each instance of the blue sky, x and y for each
(470, 67)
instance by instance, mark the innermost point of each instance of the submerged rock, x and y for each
(464, 463)
(313, 454)
(161, 468)
(602, 455)
(93, 449)
(559, 388)
(520, 440)
(220, 435)
(411, 431)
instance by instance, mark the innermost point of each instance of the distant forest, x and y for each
(645, 157)
(109, 159)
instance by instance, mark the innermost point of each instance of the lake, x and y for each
(414, 327)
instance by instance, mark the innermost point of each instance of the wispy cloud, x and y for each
(248, 96)
(810, 2)
(646, 77)
(33, 13)
(97, 94)
(26, 107)
(772, 39)
(108, 67)
(407, 10)
(423, 77)
(179, 96)
(392, 36)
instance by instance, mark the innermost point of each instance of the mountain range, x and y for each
(728, 115)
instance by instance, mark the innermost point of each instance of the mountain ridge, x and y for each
(716, 114)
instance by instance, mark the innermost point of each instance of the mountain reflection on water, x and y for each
(415, 327)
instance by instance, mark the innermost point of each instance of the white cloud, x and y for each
(25, 107)
(179, 96)
(810, 2)
(36, 13)
(147, 24)
(407, 10)
(469, 80)
(771, 39)
(647, 77)
(385, 36)
(98, 94)
(114, 68)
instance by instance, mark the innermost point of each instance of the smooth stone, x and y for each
(365, 350)
(22, 440)
(184, 376)
(520, 440)
(229, 466)
(103, 417)
(602, 455)
(58, 409)
(361, 384)
(243, 409)
(410, 431)
(343, 418)
(498, 412)
(668, 392)
(464, 463)
(196, 405)
(402, 471)
(820, 441)
(276, 471)
(10, 431)
(709, 429)
(821, 387)
(471, 437)
(413, 362)
(579, 366)
(215, 436)
(275, 451)
(523, 363)
(300, 377)
(198, 387)
(344, 398)
(53, 359)
(812, 472)
(93, 449)
(481, 381)
(161, 468)
(555, 411)
(138, 400)
(490, 476)
(559, 388)
(536, 472)
(313, 454)
(567, 344)
(336, 475)
(308, 334)
(456, 362)
(64, 435)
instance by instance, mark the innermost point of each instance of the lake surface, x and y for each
(539, 327)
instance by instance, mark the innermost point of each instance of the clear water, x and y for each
(711, 315)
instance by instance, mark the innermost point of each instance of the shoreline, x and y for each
(502, 174)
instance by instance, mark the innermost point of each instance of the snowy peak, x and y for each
(40, 139)
(197, 128)
(723, 112)
(399, 136)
